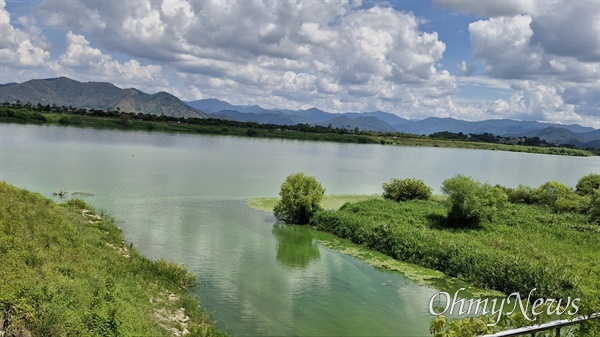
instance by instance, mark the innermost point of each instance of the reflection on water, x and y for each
(296, 247)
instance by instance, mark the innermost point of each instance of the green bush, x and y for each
(406, 189)
(586, 185)
(521, 195)
(572, 202)
(549, 192)
(301, 197)
(471, 202)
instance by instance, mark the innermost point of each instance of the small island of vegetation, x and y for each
(66, 271)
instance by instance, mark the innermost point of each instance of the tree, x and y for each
(406, 189)
(301, 197)
(471, 202)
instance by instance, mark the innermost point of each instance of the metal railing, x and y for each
(554, 325)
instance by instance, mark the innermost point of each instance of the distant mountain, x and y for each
(213, 105)
(387, 117)
(313, 113)
(381, 121)
(265, 117)
(95, 95)
(500, 127)
(557, 135)
(590, 135)
(368, 123)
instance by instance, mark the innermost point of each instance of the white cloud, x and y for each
(503, 43)
(556, 64)
(84, 61)
(18, 47)
(536, 101)
(327, 54)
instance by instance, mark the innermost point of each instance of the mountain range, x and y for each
(101, 95)
(380, 121)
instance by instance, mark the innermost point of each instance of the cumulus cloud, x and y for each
(86, 61)
(21, 47)
(545, 47)
(503, 43)
(569, 29)
(536, 101)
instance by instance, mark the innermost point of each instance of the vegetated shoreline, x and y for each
(249, 129)
(66, 270)
(529, 246)
(418, 274)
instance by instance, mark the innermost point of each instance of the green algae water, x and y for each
(184, 198)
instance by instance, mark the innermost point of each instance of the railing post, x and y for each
(557, 332)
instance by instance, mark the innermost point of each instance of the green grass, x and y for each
(67, 272)
(526, 247)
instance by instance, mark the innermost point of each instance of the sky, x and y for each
(471, 60)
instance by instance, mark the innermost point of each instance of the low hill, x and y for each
(64, 91)
(66, 271)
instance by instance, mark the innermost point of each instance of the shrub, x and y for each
(586, 185)
(471, 202)
(301, 196)
(406, 189)
(549, 192)
(572, 202)
(522, 195)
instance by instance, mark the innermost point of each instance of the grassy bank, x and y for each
(247, 129)
(66, 271)
(528, 246)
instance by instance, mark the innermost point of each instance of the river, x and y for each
(184, 197)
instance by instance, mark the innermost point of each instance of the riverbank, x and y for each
(246, 129)
(66, 270)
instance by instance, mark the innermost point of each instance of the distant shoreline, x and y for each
(256, 130)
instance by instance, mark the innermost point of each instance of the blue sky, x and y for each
(472, 60)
